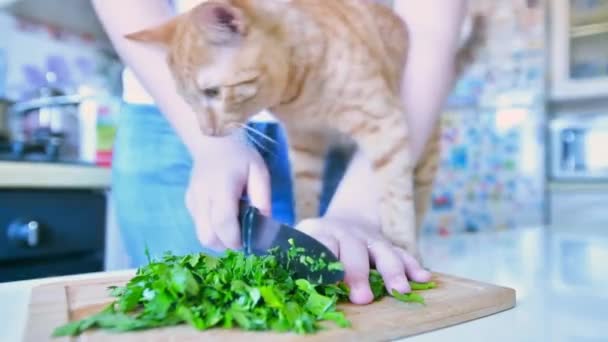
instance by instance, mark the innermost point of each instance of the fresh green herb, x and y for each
(408, 297)
(379, 289)
(335, 266)
(248, 292)
(422, 286)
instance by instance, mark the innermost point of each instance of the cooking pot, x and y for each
(46, 127)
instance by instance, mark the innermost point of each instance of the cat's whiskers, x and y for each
(258, 133)
(253, 140)
(243, 136)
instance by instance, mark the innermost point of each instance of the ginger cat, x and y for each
(325, 69)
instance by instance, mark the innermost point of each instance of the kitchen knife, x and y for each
(260, 234)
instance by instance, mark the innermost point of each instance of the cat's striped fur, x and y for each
(330, 71)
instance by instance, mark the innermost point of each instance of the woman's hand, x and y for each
(220, 174)
(360, 245)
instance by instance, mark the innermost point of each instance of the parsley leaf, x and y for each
(408, 297)
(232, 291)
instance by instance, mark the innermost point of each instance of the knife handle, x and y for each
(248, 216)
(243, 206)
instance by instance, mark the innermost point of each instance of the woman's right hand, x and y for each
(220, 174)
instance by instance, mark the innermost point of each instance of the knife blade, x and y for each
(260, 234)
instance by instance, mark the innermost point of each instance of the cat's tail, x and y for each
(472, 44)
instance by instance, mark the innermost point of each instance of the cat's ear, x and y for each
(221, 23)
(161, 34)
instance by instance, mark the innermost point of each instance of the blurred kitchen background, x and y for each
(525, 132)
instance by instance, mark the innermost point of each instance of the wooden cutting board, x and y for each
(455, 300)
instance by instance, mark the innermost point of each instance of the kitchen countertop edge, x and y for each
(19, 174)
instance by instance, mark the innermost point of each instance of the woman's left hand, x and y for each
(359, 246)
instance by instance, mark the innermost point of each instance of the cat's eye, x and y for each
(211, 92)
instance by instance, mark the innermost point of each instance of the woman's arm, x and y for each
(352, 220)
(222, 167)
(148, 63)
(434, 28)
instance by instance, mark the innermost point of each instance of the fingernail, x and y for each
(423, 275)
(361, 294)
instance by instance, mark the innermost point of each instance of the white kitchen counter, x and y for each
(560, 276)
(53, 175)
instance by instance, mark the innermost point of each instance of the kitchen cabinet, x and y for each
(54, 219)
(51, 232)
(76, 16)
(579, 49)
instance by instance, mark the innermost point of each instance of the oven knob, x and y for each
(24, 232)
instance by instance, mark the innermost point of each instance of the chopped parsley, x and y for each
(235, 291)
